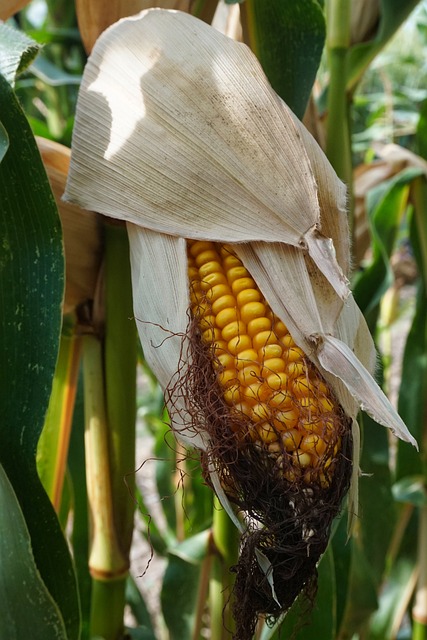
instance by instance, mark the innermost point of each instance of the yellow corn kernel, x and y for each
(226, 360)
(251, 311)
(296, 369)
(232, 396)
(270, 351)
(263, 338)
(266, 433)
(273, 365)
(209, 267)
(248, 295)
(239, 344)
(314, 444)
(210, 255)
(223, 302)
(212, 334)
(245, 357)
(241, 284)
(226, 316)
(280, 329)
(287, 341)
(198, 246)
(217, 291)
(233, 329)
(277, 381)
(213, 279)
(260, 412)
(258, 326)
(286, 419)
(293, 354)
(291, 439)
(302, 458)
(206, 322)
(235, 273)
(227, 377)
(249, 374)
(231, 261)
(256, 392)
(281, 400)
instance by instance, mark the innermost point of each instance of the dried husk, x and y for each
(9, 7)
(179, 133)
(81, 231)
(94, 16)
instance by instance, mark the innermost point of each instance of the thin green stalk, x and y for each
(225, 538)
(338, 145)
(419, 611)
(120, 379)
(108, 565)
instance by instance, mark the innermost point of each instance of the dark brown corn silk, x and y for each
(279, 440)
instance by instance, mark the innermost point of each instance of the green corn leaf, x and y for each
(288, 38)
(31, 290)
(362, 597)
(4, 142)
(412, 394)
(80, 525)
(17, 51)
(139, 609)
(180, 585)
(27, 606)
(392, 15)
(387, 619)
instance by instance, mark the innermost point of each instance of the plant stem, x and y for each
(419, 611)
(338, 145)
(225, 538)
(120, 380)
(108, 566)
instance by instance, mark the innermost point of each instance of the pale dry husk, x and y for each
(179, 133)
(81, 231)
(94, 16)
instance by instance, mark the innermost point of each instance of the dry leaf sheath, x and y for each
(179, 133)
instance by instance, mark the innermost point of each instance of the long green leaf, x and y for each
(288, 39)
(180, 585)
(27, 608)
(32, 280)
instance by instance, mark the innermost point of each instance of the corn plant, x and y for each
(234, 268)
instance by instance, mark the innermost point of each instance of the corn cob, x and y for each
(284, 404)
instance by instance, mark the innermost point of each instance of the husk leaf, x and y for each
(95, 16)
(81, 231)
(236, 162)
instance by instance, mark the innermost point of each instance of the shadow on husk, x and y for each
(287, 515)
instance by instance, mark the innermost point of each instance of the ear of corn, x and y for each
(267, 381)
